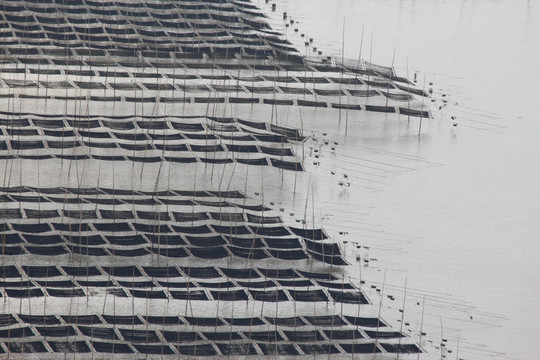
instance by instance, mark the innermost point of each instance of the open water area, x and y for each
(459, 222)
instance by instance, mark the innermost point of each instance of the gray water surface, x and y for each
(466, 229)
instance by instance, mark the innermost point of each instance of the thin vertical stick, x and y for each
(313, 209)
(420, 125)
(305, 207)
(369, 71)
(361, 43)
(409, 95)
(441, 345)
(342, 65)
(379, 316)
(402, 318)
(421, 325)
(359, 303)
(457, 350)
(388, 88)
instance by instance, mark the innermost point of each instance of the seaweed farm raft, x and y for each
(140, 142)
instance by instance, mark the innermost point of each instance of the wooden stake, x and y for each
(402, 318)
(379, 316)
(421, 117)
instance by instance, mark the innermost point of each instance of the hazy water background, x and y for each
(472, 225)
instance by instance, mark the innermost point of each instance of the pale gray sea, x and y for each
(464, 225)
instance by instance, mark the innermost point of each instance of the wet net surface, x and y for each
(166, 339)
(65, 244)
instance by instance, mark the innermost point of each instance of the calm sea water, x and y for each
(469, 228)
